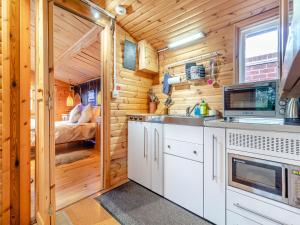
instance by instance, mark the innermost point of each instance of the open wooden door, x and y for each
(45, 145)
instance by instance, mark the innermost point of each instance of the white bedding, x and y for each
(66, 131)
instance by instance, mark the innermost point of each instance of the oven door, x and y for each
(251, 100)
(265, 178)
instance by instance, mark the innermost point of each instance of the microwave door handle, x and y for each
(258, 214)
(285, 181)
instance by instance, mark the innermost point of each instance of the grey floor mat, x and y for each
(132, 204)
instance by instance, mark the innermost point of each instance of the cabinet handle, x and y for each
(213, 157)
(156, 143)
(216, 158)
(258, 214)
(145, 142)
(169, 146)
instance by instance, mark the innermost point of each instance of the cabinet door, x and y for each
(214, 175)
(183, 182)
(138, 153)
(157, 158)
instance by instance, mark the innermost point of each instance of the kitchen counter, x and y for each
(171, 119)
(263, 124)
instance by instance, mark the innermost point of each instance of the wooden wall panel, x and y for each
(62, 91)
(221, 40)
(132, 99)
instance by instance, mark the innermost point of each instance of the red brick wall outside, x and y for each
(263, 67)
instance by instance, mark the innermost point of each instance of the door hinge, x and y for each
(50, 210)
(49, 102)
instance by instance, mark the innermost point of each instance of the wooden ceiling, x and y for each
(76, 47)
(163, 21)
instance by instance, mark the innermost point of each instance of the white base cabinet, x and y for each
(184, 183)
(145, 154)
(139, 158)
(214, 175)
(183, 166)
(157, 166)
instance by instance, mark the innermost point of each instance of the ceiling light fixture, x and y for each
(186, 40)
(96, 15)
(120, 10)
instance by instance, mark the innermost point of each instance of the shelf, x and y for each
(194, 59)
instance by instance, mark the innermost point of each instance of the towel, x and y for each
(166, 86)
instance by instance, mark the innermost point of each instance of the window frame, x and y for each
(247, 27)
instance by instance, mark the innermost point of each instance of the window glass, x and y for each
(259, 53)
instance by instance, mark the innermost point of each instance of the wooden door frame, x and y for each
(15, 174)
(46, 68)
(83, 10)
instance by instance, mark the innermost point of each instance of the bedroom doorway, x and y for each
(70, 127)
(77, 102)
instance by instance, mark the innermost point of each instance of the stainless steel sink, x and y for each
(172, 119)
(187, 120)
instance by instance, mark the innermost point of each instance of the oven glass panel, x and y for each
(257, 175)
(261, 98)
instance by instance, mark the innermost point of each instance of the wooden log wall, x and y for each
(221, 40)
(132, 99)
(62, 91)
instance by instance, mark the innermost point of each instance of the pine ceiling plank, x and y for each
(132, 8)
(112, 5)
(158, 10)
(86, 40)
(72, 75)
(160, 21)
(68, 29)
(84, 68)
(145, 5)
(206, 13)
(192, 11)
(163, 17)
(214, 24)
(87, 59)
(198, 22)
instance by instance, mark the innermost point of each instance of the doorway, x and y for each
(77, 101)
(72, 128)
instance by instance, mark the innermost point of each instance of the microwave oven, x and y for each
(259, 99)
(274, 180)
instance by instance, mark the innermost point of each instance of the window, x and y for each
(258, 52)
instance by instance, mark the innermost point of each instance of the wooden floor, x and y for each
(77, 180)
(89, 212)
(73, 181)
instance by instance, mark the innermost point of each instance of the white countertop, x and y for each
(254, 124)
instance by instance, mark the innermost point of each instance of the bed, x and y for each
(66, 132)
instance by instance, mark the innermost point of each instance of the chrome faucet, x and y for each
(189, 112)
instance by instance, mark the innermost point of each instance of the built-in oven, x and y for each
(260, 99)
(277, 181)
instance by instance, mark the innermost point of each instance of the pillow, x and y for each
(86, 114)
(75, 113)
